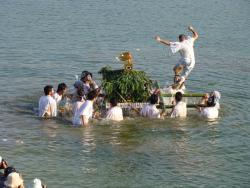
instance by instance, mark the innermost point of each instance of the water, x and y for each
(47, 42)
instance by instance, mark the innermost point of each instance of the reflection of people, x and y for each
(186, 48)
(47, 104)
(150, 110)
(180, 109)
(115, 112)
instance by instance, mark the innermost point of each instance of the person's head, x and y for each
(61, 88)
(9, 170)
(3, 163)
(86, 76)
(38, 183)
(14, 180)
(216, 95)
(48, 90)
(92, 95)
(153, 99)
(182, 37)
(113, 102)
(178, 97)
(210, 101)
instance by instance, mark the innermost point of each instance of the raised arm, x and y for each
(166, 42)
(195, 34)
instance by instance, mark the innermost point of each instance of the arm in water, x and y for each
(195, 34)
(166, 42)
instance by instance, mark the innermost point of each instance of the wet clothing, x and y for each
(86, 109)
(47, 106)
(115, 114)
(57, 98)
(210, 112)
(150, 111)
(186, 49)
(180, 110)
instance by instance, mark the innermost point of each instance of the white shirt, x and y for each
(180, 110)
(186, 49)
(172, 91)
(86, 109)
(217, 105)
(115, 114)
(150, 111)
(47, 105)
(57, 97)
(76, 120)
(210, 112)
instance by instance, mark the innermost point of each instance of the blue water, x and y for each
(48, 42)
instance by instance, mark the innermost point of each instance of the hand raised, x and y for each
(157, 38)
(190, 28)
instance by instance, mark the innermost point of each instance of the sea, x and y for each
(50, 41)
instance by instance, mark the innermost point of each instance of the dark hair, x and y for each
(113, 101)
(182, 37)
(85, 74)
(178, 96)
(210, 101)
(92, 94)
(47, 89)
(153, 99)
(9, 170)
(61, 87)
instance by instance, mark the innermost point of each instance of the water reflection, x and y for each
(88, 139)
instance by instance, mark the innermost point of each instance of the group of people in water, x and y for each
(86, 92)
(11, 178)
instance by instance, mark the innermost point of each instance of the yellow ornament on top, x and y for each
(126, 58)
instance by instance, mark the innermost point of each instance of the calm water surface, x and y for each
(49, 41)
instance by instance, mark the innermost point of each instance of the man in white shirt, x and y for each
(214, 95)
(180, 109)
(150, 110)
(186, 48)
(115, 112)
(60, 92)
(76, 120)
(85, 113)
(211, 111)
(47, 104)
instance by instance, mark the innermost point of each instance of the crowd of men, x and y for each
(86, 93)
